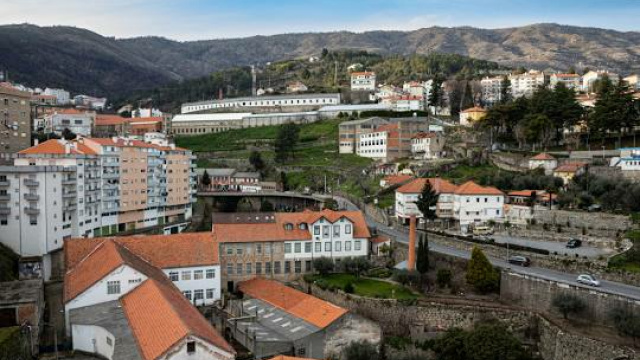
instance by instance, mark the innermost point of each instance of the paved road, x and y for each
(543, 273)
(551, 246)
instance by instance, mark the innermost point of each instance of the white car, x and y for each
(588, 280)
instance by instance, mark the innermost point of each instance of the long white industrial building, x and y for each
(281, 102)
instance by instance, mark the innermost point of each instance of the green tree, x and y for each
(443, 278)
(266, 206)
(538, 128)
(323, 265)
(436, 95)
(427, 201)
(324, 52)
(614, 110)
(360, 350)
(284, 181)
(467, 97)
(255, 159)
(356, 265)
(481, 274)
(505, 90)
(286, 141)
(492, 340)
(568, 304)
(451, 345)
(68, 134)
(206, 179)
(422, 256)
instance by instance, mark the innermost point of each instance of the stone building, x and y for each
(15, 121)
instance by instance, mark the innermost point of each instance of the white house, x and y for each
(491, 87)
(427, 145)
(363, 81)
(374, 144)
(527, 83)
(475, 204)
(407, 195)
(629, 159)
(63, 97)
(590, 78)
(79, 122)
(116, 297)
(296, 87)
(571, 81)
(543, 161)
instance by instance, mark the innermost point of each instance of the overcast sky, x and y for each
(209, 19)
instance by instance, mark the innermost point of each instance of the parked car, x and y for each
(594, 208)
(574, 243)
(588, 279)
(519, 260)
(482, 230)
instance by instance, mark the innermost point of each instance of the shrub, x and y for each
(348, 288)
(626, 322)
(323, 265)
(568, 304)
(481, 274)
(443, 278)
(360, 350)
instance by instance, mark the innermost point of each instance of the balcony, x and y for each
(110, 175)
(5, 197)
(108, 186)
(5, 183)
(32, 197)
(31, 182)
(69, 194)
(69, 181)
(5, 211)
(31, 211)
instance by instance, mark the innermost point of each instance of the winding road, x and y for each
(608, 287)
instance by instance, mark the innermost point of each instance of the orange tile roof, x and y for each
(440, 186)
(523, 193)
(106, 119)
(163, 251)
(543, 156)
(471, 188)
(160, 316)
(569, 168)
(105, 258)
(306, 307)
(566, 75)
(364, 73)
(474, 109)
(56, 147)
(396, 179)
(380, 239)
(240, 232)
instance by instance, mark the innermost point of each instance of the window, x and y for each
(239, 250)
(174, 276)
(347, 229)
(113, 287)
(267, 268)
(308, 266)
(318, 247)
(187, 294)
(327, 246)
(210, 293)
(191, 347)
(307, 247)
(298, 267)
(186, 275)
(287, 267)
(229, 250)
(336, 230)
(198, 294)
(325, 231)
(347, 246)
(3, 221)
(248, 268)
(258, 248)
(287, 248)
(276, 267)
(211, 273)
(198, 275)
(135, 281)
(338, 246)
(239, 269)
(34, 220)
(297, 248)
(358, 245)
(229, 269)
(258, 268)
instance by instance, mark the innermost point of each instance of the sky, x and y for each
(213, 19)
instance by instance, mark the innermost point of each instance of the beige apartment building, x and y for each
(15, 118)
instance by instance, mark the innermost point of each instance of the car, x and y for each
(594, 208)
(588, 279)
(574, 243)
(483, 230)
(520, 260)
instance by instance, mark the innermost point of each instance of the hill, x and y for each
(84, 61)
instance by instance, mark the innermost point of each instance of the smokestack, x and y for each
(411, 262)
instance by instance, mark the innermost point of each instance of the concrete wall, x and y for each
(537, 294)
(94, 340)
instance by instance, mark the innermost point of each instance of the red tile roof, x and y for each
(240, 232)
(440, 186)
(160, 316)
(396, 179)
(543, 156)
(284, 357)
(363, 73)
(523, 193)
(57, 147)
(106, 119)
(380, 239)
(471, 188)
(163, 251)
(306, 307)
(570, 168)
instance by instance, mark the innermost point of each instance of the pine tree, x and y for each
(206, 179)
(481, 274)
(505, 90)
(427, 201)
(422, 257)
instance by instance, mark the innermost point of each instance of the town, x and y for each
(335, 204)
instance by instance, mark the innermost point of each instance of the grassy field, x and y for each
(365, 287)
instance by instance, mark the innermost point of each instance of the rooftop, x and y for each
(57, 147)
(265, 97)
(570, 168)
(543, 156)
(317, 312)
(439, 185)
(471, 188)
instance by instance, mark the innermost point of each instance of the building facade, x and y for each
(407, 195)
(363, 81)
(526, 84)
(15, 117)
(475, 204)
(62, 96)
(297, 102)
(79, 122)
(427, 145)
(571, 81)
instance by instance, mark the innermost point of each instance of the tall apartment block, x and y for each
(15, 122)
(92, 187)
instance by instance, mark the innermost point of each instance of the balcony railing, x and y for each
(69, 181)
(5, 210)
(5, 183)
(31, 211)
(32, 197)
(31, 182)
(5, 197)
(69, 194)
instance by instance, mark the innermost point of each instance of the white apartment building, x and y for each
(491, 87)
(590, 78)
(79, 122)
(407, 103)
(373, 145)
(633, 81)
(527, 83)
(427, 145)
(282, 102)
(571, 81)
(475, 204)
(63, 97)
(143, 283)
(408, 194)
(363, 81)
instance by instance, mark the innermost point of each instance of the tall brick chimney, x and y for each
(411, 262)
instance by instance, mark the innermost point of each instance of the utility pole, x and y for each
(335, 73)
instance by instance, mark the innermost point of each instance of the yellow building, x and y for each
(472, 115)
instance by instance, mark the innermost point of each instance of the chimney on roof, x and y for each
(35, 142)
(411, 261)
(67, 148)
